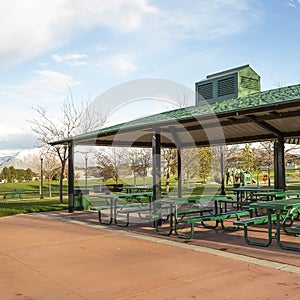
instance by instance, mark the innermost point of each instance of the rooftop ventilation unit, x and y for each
(228, 84)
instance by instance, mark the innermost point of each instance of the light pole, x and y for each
(42, 177)
(86, 170)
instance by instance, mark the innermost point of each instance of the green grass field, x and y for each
(30, 200)
(29, 206)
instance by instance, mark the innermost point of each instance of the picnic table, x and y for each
(132, 201)
(247, 194)
(276, 195)
(137, 188)
(200, 209)
(278, 211)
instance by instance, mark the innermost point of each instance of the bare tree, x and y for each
(74, 119)
(267, 158)
(170, 155)
(109, 162)
(51, 168)
(140, 161)
(190, 164)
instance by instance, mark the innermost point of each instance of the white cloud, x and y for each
(53, 80)
(293, 3)
(206, 20)
(44, 86)
(119, 65)
(74, 59)
(17, 141)
(32, 27)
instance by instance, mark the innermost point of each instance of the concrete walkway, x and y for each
(46, 258)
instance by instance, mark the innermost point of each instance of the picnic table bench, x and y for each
(107, 188)
(218, 218)
(109, 207)
(255, 221)
(120, 204)
(194, 209)
(15, 193)
(295, 229)
(281, 213)
(135, 208)
(180, 214)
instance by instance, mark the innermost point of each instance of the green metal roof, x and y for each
(268, 109)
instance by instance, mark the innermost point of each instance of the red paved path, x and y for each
(44, 258)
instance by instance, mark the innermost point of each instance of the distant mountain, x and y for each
(16, 163)
(3, 159)
(22, 160)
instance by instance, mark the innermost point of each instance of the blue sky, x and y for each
(91, 46)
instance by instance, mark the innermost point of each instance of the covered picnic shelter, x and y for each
(272, 115)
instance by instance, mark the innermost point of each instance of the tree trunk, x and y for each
(168, 179)
(50, 189)
(61, 180)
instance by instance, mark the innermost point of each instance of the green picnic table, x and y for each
(279, 211)
(114, 206)
(276, 195)
(190, 211)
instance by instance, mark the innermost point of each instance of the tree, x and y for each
(109, 162)
(6, 174)
(216, 164)
(248, 158)
(50, 167)
(190, 164)
(170, 155)
(9, 174)
(75, 119)
(267, 157)
(28, 174)
(205, 157)
(139, 162)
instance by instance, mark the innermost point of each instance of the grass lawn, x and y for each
(29, 206)
(30, 201)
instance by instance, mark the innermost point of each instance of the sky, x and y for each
(51, 48)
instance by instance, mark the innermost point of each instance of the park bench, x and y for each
(14, 194)
(218, 218)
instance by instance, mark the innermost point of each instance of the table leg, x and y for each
(278, 234)
(270, 237)
(158, 222)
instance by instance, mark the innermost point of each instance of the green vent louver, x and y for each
(228, 84)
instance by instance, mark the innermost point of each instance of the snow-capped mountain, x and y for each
(23, 159)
